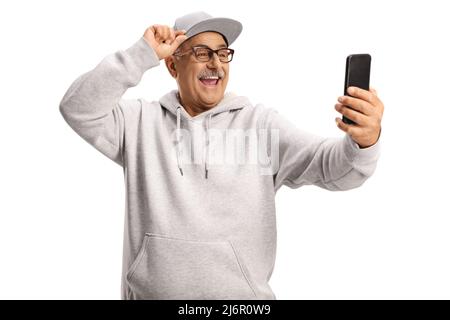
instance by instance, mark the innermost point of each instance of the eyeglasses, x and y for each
(204, 54)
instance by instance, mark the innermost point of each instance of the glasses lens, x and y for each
(205, 54)
(202, 54)
(225, 55)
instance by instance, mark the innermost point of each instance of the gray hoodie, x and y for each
(197, 227)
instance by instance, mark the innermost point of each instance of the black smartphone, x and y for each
(357, 74)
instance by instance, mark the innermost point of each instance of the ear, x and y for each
(170, 64)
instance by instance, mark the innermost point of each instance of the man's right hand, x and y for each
(163, 39)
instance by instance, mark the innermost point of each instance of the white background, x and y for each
(62, 202)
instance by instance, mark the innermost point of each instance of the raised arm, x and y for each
(92, 105)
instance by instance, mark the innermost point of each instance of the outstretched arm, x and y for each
(330, 163)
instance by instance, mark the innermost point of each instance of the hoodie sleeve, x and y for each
(92, 106)
(334, 164)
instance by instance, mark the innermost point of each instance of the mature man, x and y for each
(198, 227)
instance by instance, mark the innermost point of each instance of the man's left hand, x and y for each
(366, 109)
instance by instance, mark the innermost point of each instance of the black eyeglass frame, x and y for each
(210, 53)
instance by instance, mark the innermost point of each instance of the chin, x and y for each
(212, 98)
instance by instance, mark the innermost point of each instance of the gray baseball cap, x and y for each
(198, 22)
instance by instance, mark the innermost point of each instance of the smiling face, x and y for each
(197, 93)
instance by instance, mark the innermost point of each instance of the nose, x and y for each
(214, 62)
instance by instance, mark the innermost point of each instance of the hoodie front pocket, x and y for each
(171, 268)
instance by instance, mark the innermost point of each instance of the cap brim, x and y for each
(229, 28)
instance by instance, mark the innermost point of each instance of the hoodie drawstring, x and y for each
(208, 119)
(178, 139)
(171, 102)
(178, 142)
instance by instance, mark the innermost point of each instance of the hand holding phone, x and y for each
(357, 74)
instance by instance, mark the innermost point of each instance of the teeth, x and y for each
(216, 78)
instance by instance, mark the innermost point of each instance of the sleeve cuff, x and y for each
(355, 154)
(143, 54)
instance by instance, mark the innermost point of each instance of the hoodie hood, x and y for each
(171, 103)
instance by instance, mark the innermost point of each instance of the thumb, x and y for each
(176, 43)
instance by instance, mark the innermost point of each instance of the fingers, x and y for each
(156, 28)
(163, 33)
(353, 115)
(171, 35)
(357, 104)
(178, 40)
(166, 31)
(347, 128)
(179, 32)
(164, 39)
(365, 95)
(365, 109)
